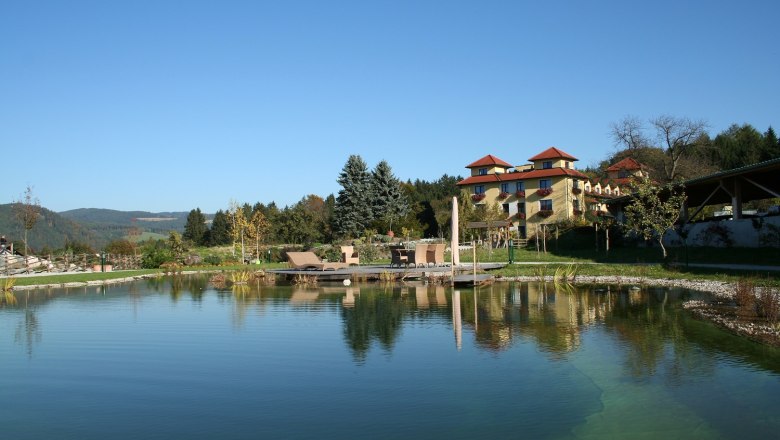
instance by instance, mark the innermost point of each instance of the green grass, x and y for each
(84, 277)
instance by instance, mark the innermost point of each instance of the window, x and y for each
(479, 189)
(504, 187)
(546, 165)
(506, 207)
(622, 174)
(587, 187)
(521, 207)
(576, 204)
(606, 190)
(576, 184)
(545, 205)
(568, 164)
(482, 171)
(544, 183)
(520, 186)
(617, 191)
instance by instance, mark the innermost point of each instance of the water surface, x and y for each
(177, 358)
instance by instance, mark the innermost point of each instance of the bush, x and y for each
(768, 305)
(745, 294)
(212, 260)
(155, 257)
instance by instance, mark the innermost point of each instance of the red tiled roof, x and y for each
(553, 153)
(509, 177)
(489, 160)
(626, 164)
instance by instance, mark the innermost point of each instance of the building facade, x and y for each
(547, 190)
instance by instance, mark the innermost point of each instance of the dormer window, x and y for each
(568, 164)
(546, 165)
(482, 171)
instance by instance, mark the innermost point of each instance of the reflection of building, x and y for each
(553, 318)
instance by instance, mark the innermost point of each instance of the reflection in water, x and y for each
(457, 322)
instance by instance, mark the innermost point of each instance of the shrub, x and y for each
(745, 294)
(212, 260)
(768, 305)
(153, 258)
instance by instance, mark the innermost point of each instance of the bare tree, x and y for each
(677, 136)
(27, 210)
(629, 133)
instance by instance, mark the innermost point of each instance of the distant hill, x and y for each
(108, 219)
(50, 231)
(93, 226)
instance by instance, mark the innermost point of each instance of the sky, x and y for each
(172, 105)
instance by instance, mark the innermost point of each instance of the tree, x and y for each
(238, 224)
(27, 210)
(353, 213)
(737, 146)
(258, 229)
(653, 210)
(629, 133)
(176, 245)
(195, 229)
(121, 247)
(389, 202)
(771, 148)
(677, 136)
(219, 233)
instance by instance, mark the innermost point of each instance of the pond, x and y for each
(178, 358)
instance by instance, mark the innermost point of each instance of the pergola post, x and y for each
(736, 200)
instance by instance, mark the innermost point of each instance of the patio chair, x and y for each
(398, 255)
(436, 254)
(419, 256)
(349, 256)
(310, 260)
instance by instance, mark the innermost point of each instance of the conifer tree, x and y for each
(353, 213)
(219, 234)
(195, 229)
(771, 148)
(389, 201)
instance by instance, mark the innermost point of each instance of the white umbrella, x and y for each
(454, 243)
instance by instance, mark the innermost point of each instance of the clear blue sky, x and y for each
(171, 105)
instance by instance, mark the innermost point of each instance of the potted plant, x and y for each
(521, 215)
(545, 212)
(520, 194)
(503, 195)
(544, 192)
(576, 191)
(477, 197)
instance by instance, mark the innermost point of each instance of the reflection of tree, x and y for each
(28, 331)
(375, 316)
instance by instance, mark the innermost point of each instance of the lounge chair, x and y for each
(310, 260)
(349, 256)
(436, 254)
(419, 256)
(398, 255)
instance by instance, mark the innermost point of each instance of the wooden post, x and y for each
(536, 233)
(544, 238)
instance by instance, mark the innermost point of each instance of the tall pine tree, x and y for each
(195, 229)
(771, 148)
(389, 201)
(353, 213)
(219, 234)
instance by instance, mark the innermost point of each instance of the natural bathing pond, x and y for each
(177, 358)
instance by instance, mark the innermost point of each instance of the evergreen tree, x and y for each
(353, 213)
(195, 229)
(389, 201)
(219, 234)
(771, 148)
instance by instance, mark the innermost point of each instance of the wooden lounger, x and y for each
(310, 260)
